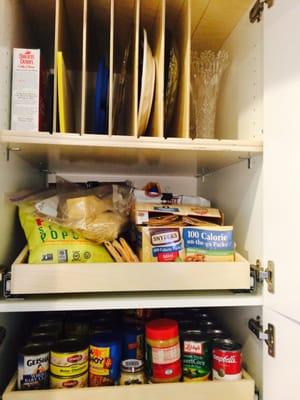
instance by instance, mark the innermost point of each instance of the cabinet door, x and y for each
(281, 374)
(282, 153)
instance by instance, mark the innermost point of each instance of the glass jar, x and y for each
(132, 372)
(163, 351)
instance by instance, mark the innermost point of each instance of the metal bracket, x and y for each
(268, 336)
(260, 275)
(6, 279)
(250, 161)
(9, 149)
(258, 9)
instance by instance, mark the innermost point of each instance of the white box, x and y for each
(25, 90)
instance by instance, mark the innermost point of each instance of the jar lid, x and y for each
(162, 329)
(132, 365)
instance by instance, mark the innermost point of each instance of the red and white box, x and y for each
(25, 90)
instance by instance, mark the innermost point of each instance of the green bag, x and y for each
(50, 243)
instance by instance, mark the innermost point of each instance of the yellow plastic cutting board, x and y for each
(65, 106)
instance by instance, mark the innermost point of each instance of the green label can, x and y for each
(195, 356)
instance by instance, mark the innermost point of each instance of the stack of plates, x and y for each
(147, 81)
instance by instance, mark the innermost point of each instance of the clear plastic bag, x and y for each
(100, 213)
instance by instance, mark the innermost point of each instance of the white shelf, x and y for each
(130, 300)
(84, 154)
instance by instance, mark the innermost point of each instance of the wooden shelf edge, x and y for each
(44, 138)
(123, 277)
(209, 389)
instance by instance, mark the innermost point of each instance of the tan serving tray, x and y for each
(208, 390)
(127, 277)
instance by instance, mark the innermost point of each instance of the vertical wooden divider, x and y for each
(182, 119)
(111, 67)
(56, 46)
(135, 72)
(84, 66)
(157, 119)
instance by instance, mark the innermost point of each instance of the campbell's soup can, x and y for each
(227, 360)
(33, 367)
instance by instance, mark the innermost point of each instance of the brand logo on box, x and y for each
(163, 237)
(26, 58)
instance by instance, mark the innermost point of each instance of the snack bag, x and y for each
(51, 243)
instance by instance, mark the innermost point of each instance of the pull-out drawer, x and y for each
(209, 390)
(126, 277)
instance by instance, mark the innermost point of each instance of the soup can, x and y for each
(33, 367)
(227, 360)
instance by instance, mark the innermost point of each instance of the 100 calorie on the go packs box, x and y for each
(188, 244)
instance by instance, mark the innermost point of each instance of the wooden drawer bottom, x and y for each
(210, 390)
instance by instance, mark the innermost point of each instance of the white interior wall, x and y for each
(235, 320)
(174, 184)
(240, 111)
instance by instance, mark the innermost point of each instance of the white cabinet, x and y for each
(261, 201)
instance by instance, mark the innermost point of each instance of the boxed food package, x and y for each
(144, 196)
(188, 244)
(180, 215)
(25, 90)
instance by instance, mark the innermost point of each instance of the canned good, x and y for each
(69, 358)
(133, 342)
(69, 382)
(42, 338)
(216, 334)
(47, 329)
(207, 324)
(56, 323)
(227, 360)
(195, 356)
(77, 326)
(101, 325)
(105, 359)
(132, 372)
(197, 313)
(33, 367)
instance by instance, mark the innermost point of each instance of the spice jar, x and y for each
(132, 372)
(163, 351)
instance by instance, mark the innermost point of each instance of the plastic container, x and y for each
(105, 359)
(163, 351)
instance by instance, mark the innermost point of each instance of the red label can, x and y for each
(227, 360)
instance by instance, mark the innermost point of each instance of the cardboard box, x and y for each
(187, 244)
(143, 213)
(25, 90)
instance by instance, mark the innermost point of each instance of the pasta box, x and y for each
(162, 215)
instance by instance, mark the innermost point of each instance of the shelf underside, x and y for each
(87, 153)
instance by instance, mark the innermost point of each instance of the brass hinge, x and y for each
(258, 9)
(268, 335)
(261, 275)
